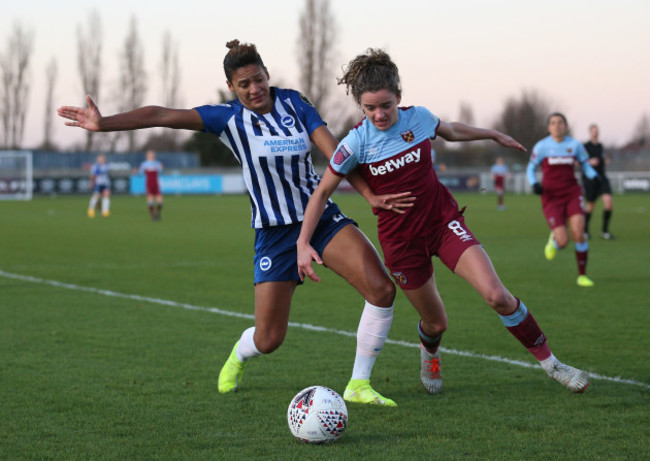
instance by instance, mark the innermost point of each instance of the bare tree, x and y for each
(132, 79)
(466, 114)
(14, 90)
(315, 52)
(524, 118)
(171, 77)
(50, 77)
(642, 130)
(89, 60)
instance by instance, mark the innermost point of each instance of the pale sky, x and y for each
(591, 59)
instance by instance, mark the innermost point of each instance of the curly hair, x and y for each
(240, 55)
(372, 71)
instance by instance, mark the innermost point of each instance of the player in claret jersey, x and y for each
(390, 148)
(500, 173)
(561, 194)
(152, 169)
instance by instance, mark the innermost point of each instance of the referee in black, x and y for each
(598, 186)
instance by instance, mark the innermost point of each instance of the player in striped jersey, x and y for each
(271, 131)
(390, 148)
(561, 194)
(152, 169)
(100, 183)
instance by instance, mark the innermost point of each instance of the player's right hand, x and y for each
(537, 188)
(307, 254)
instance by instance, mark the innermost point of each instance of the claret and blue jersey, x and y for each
(557, 160)
(274, 151)
(398, 160)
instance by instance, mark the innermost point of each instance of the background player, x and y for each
(561, 194)
(100, 183)
(599, 186)
(152, 169)
(270, 131)
(390, 150)
(500, 173)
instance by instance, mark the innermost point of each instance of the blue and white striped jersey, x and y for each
(100, 173)
(274, 152)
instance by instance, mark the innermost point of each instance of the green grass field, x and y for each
(112, 333)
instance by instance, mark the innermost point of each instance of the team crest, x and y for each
(569, 150)
(400, 278)
(265, 263)
(288, 121)
(408, 136)
(342, 154)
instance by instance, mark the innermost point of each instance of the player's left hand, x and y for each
(307, 254)
(397, 203)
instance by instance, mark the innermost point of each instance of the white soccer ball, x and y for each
(317, 414)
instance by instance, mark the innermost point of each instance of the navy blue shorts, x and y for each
(275, 247)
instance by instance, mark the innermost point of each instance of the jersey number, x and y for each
(458, 230)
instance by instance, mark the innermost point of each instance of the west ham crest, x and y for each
(408, 136)
(400, 278)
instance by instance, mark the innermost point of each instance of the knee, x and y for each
(562, 241)
(499, 299)
(434, 327)
(382, 293)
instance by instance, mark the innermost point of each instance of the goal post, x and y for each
(16, 175)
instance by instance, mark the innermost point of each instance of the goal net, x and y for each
(16, 177)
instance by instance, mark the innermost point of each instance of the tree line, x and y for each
(523, 116)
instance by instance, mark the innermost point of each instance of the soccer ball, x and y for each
(317, 414)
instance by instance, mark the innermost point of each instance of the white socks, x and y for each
(547, 364)
(106, 203)
(93, 202)
(372, 333)
(246, 349)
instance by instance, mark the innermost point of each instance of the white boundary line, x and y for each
(304, 326)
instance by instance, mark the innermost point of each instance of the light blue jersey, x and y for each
(274, 152)
(557, 161)
(150, 165)
(499, 170)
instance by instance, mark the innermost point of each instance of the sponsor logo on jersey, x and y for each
(286, 145)
(265, 263)
(560, 160)
(400, 278)
(288, 121)
(342, 154)
(408, 136)
(394, 164)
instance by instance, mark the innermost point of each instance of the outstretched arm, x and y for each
(89, 118)
(456, 131)
(313, 213)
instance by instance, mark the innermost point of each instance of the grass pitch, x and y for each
(113, 332)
